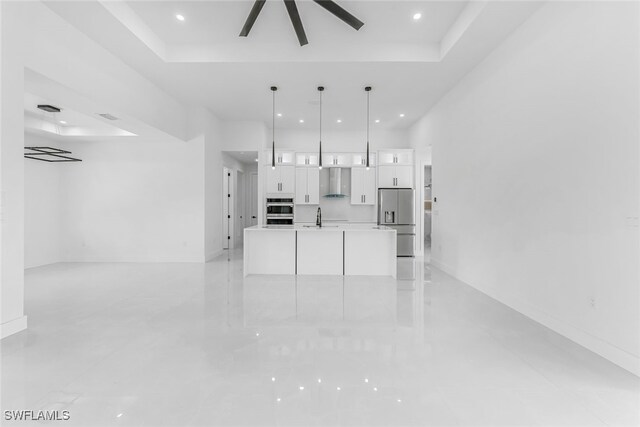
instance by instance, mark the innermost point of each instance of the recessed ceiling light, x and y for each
(279, 114)
(339, 120)
(62, 122)
(301, 120)
(417, 16)
(377, 120)
(179, 17)
(401, 114)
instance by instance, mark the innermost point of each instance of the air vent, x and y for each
(49, 108)
(107, 116)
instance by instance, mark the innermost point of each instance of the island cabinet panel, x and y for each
(380, 250)
(269, 252)
(320, 252)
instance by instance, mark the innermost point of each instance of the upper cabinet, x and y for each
(283, 158)
(307, 186)
(363, 186)
(360, 160)
(395, 176)
(336, 160)
(395, 157)
(281, 180)
(306, 159)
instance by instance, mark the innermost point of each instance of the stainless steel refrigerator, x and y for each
(396, 209)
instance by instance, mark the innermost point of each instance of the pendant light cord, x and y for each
(273, 117)
(368, 116)
(320, 116)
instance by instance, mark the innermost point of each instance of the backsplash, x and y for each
(336, 209)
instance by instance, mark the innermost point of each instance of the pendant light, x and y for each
(273, 128)
(320, 90)
(368, 90)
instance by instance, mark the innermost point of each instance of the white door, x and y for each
(239, 208)
(254, 202)
(226, 207)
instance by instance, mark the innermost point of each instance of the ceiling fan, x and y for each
(292, 9)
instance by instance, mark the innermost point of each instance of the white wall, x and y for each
(33, 37)
(135, 201)
(11, 177)
(339, 141)
(535, 167)
(44, 201)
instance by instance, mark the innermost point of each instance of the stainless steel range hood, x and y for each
(335, 183)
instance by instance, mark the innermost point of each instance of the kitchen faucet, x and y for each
(319, 218)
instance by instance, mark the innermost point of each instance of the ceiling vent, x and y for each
(107, 116)
(49, 108)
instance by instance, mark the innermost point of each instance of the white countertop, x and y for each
(325, 227)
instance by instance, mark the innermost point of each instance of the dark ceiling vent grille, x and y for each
(107, 116)
(49, 108)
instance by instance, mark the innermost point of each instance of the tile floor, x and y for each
(198, 344)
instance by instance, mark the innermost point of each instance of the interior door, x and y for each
(239, 211)
(254, 202)
(226, 190)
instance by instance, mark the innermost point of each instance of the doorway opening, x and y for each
(428, 203)
(239, 195)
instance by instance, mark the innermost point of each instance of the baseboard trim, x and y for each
(602, 348)
(13, 327)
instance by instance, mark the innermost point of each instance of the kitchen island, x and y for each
(344, 249)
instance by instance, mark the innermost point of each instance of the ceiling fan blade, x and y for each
(251, 19)
(338, 11)
(292, 9)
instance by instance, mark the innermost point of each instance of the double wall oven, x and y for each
(280, 211)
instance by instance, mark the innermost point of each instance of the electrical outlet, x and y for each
(592, 303)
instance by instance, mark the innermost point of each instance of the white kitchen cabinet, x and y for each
(307, 186)
(336, 160)
(306, 159)
(283, 158)
(360, 160)
(395, 176)
(281, 180)
(363, 186)
(395, 157)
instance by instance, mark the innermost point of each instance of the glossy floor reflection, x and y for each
(198, 344)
